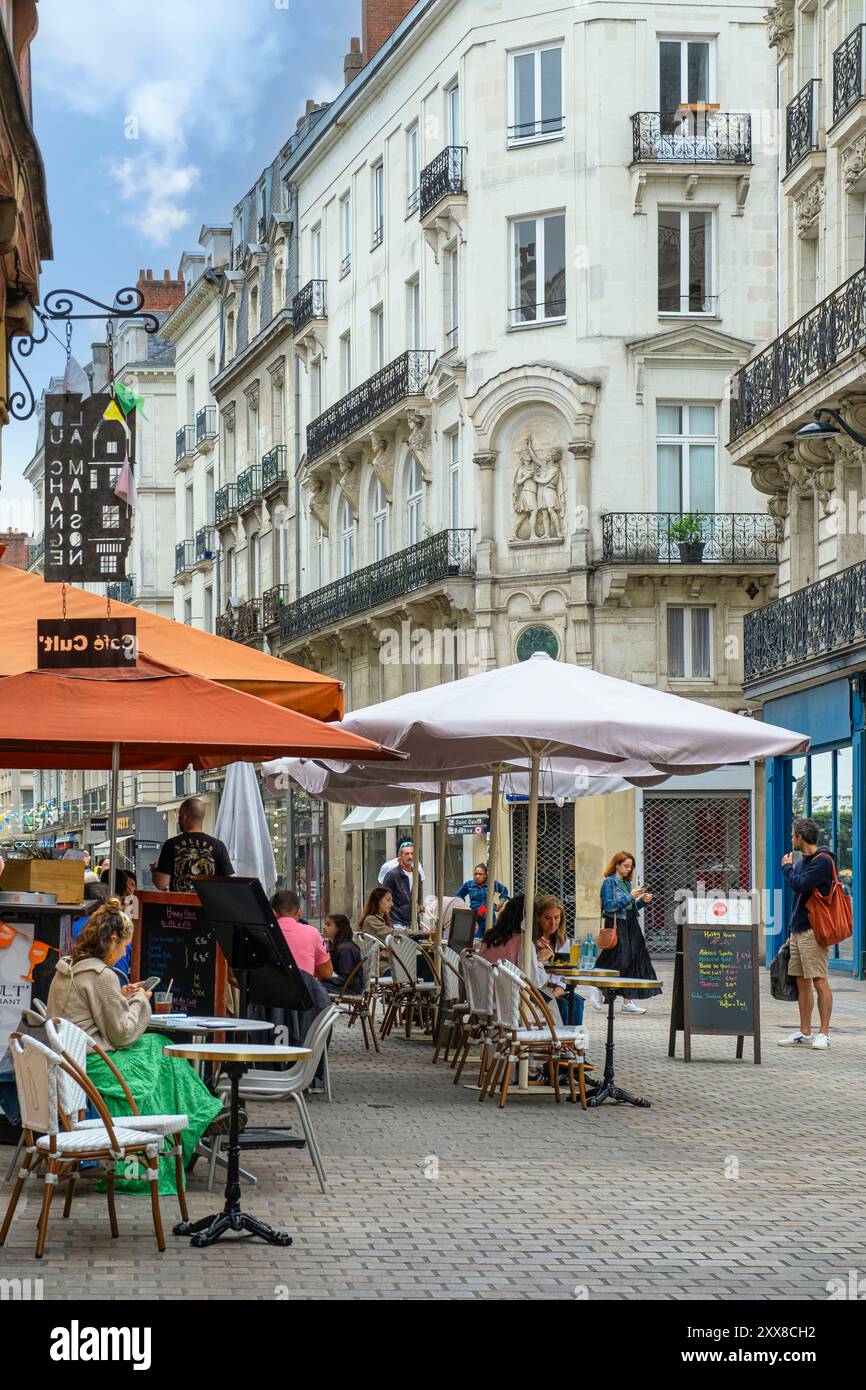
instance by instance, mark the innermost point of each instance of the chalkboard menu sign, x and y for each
(174, 941)
(716, 984)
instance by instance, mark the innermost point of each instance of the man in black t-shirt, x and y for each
(191, 854)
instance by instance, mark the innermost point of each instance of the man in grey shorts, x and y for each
(809, 960)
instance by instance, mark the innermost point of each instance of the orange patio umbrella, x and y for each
(25, 597)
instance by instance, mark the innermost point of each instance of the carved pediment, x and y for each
(691, 340)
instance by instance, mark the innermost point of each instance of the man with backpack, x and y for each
(809, 961)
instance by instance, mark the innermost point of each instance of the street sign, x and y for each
(99, 826)
(85, 643)
(88, 525)
(469, 823)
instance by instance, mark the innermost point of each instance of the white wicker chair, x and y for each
(478, 978)
(525, 1030)
(408, 992)
(456, 1007)
(37, 1071)
(360, 989)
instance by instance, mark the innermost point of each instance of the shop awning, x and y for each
(389, 817)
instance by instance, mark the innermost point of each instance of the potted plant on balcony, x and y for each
(688, 533)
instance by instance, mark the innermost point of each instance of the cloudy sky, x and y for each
(155, 116)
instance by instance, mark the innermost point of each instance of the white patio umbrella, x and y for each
(243, 827)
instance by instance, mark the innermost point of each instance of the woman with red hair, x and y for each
(620, 904)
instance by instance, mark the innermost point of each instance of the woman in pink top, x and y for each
(304, 941)
(504, 940)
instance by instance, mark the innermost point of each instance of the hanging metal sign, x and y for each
(87, 522)
(64, 644)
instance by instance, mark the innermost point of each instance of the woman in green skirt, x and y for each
(86, 991)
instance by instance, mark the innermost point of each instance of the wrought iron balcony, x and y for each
(802, 120)
(309, 304)
(650, 538)
(205, 544)
(273, 602)
(239, 255)
(184, 446)
(405, 376)
(691, 137)
(275, 472)
(848, 73)
(225, 625)
(225, 505)
(249, 487)
(205, 424)
(441, 177)
(248, 620)
(818, 341)
(184, 557)
(121, 592)
(35, 551)
(817, 621)
(445, 555)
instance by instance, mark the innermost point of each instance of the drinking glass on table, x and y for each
(162, 1001)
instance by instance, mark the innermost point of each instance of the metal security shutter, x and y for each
(555, 852)
(686, 840)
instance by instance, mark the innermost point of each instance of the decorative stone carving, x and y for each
(538, 486)
(349, 480)
(382, 461)
(778, 507)
(228, 416)
(854, 162)
(419, 442)
(780, 27)
(807, 209)
(318, 489)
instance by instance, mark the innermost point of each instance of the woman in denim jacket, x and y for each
(620, 904)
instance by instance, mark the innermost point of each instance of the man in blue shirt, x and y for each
(474, 890)
(809, 960)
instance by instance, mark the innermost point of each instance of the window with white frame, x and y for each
(230, 336)
(320, 557)
(538, 265)
(378, 204)
(413, 167)
(187, 611)
(252, 432)
(346, 233)
(451, 267)
(281, 553)
(453, 447)
(380, 522)
(231, 573)
(316, 387)
(536, 109)
(254, 565)
(413, 312)
(689, 643)
(253, 323)
(208, 608)
(347, 540)
(686, 451)
(686, 79)
(414, 491)
(685, 261)
(454, 122)
(277, 410)
(377, 337)
(345, 363)
(316, 258)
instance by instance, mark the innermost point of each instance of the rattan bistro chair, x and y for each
(357, 997)
(456, 1007)
(525, 1030)
(37, 1070)
(478, 978)
(409, 993)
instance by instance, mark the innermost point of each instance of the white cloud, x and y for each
(173, 74)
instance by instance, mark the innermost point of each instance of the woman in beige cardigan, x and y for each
(86, 991)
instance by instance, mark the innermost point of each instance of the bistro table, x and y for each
(236, 1058)
(572, 976)
(606, 1089)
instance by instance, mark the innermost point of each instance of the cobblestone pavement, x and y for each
(739, 1182)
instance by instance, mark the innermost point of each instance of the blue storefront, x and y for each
(829, 784)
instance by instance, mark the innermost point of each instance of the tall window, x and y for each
(230, 336)
(454, 125)
(189, 513)
(686, 445)
(414, 487)
(320, 557)
(316, 257)
(277, 425)
(378, 204)
(454, 477)
(452, 298)
(535, 95)
(255, 565)
(346, 233)
(208, 608)
(190, 400)
(252, 432)
(345, 364)
(413, 167)
(685, 78)
(685, 258)
(316, 388)
(253, 326)
(281, 554)
(538, 258)
(347, 540)
(689, 644)
(413, 312)
(380, 522)
(377, 337)
(209, 497)
(231, 573)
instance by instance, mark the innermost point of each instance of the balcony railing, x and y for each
(239, 255)
(649, 538)
(35, 551)
(273, 602)
(249, 487)
(184, 557)
(848, 73)
(247, 622)
(816, 621)
(819, 340)
(184, 444)
(691, 137)
(225, 505)
(121, 592)
(442, 556)
(274, 469)
(206, 424)
(801, 124)
(205, 544)
(309, 304)
(442, 176)
(405, 376)
(225, 625)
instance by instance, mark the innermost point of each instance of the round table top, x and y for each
(620, 982)
(190, 1023)
(236, 1052)
(589, 972)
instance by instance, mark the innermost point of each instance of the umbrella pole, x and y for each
(440, 906)
(416, 859)
(529, 895)
(492, 856)
(112, 821)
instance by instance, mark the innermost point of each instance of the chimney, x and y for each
(160, 296)
(353, 61)
(380, 19)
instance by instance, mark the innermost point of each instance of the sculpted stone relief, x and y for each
(538, 484)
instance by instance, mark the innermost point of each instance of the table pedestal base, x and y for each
(210, 1228)
(606, 1089)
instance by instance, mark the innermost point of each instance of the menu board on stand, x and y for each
(173, 940)
(715, 988)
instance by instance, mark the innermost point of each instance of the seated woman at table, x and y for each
(549, 935)
(504, 941)
(376, 917)
(86, 991)
(620, 904)
(345, 955)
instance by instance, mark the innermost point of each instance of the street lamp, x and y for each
(821, 428)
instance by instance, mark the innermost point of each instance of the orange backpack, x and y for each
(831, 917)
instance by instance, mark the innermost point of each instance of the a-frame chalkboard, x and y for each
(716, 985)
(174, 940)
